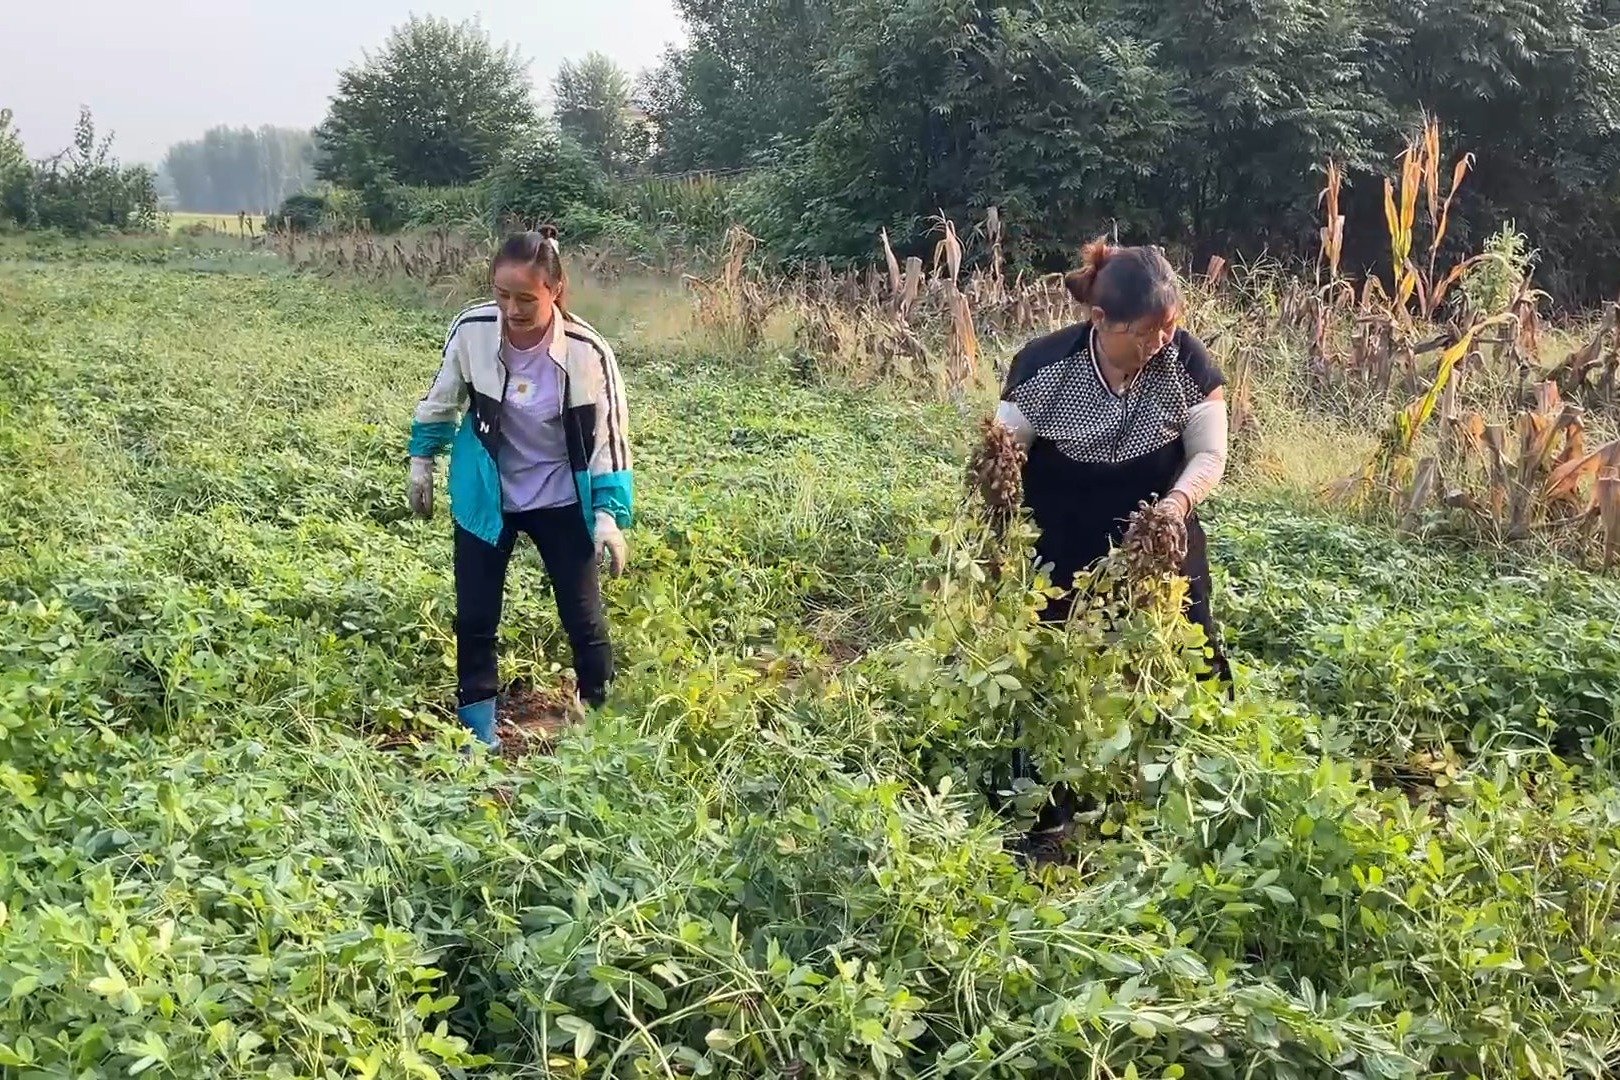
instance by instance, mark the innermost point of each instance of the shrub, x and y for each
(775, 205)
(458, 207)
(17, 196)
(1495, 281)
(541, 179)
(344, 209)
(383, 199)
(303, 212)
(580, 224)
(698, 207)
(80, 190)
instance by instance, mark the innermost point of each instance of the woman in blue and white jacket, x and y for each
(531, 405)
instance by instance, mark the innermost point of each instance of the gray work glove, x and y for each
(419, 491)
(610, 545)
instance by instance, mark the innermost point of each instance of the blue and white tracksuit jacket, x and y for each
(469, 391)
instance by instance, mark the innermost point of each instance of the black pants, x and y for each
(570, 560)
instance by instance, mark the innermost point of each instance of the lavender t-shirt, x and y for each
(534, 456)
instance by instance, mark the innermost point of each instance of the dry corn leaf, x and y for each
(892, 263)
(1567, 478)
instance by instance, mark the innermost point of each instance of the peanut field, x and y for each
(240, 837)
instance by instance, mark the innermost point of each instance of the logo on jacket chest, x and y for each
(486, 415)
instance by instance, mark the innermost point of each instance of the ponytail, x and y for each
(1082, 283)
(1126, 283)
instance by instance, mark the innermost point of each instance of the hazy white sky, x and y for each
(158, 71)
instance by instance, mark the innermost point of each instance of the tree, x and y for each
(1271, 90)
(438, 105)
(541, 179)
(11, 147)
(81, 189)
(687, 99)
(957, 105)
(747, 89)
(228, 169)
(16, 174)
(594, 108)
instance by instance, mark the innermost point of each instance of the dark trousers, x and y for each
(570, 560)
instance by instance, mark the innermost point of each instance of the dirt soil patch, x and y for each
(528, 720)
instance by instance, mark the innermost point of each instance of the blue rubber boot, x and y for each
(480, 720)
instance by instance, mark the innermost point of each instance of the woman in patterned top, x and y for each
(1123, 408)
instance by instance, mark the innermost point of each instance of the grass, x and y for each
(1394, 856)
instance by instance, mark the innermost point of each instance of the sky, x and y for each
(155, 72)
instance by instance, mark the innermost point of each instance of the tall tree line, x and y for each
(235, 169)
(1203, 123)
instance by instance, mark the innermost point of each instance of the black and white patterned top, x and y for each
(1098, 454)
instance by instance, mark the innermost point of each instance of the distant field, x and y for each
(225, 223)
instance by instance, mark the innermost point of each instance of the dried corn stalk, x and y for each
(1606, 505)
(992, 232)
(892, 263)
(948, 252)
(910, 288)
(1596, 355)
(1332, 231)
(1242, 402)
(1424, 485)
(964, 346)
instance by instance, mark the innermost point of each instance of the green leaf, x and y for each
(110, 985)
(582, 1030)
(1187, 964)
(648, 991)
(584, 1039)
(1117, 964)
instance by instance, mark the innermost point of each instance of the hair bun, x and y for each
(548, 233)
(1082, 283)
